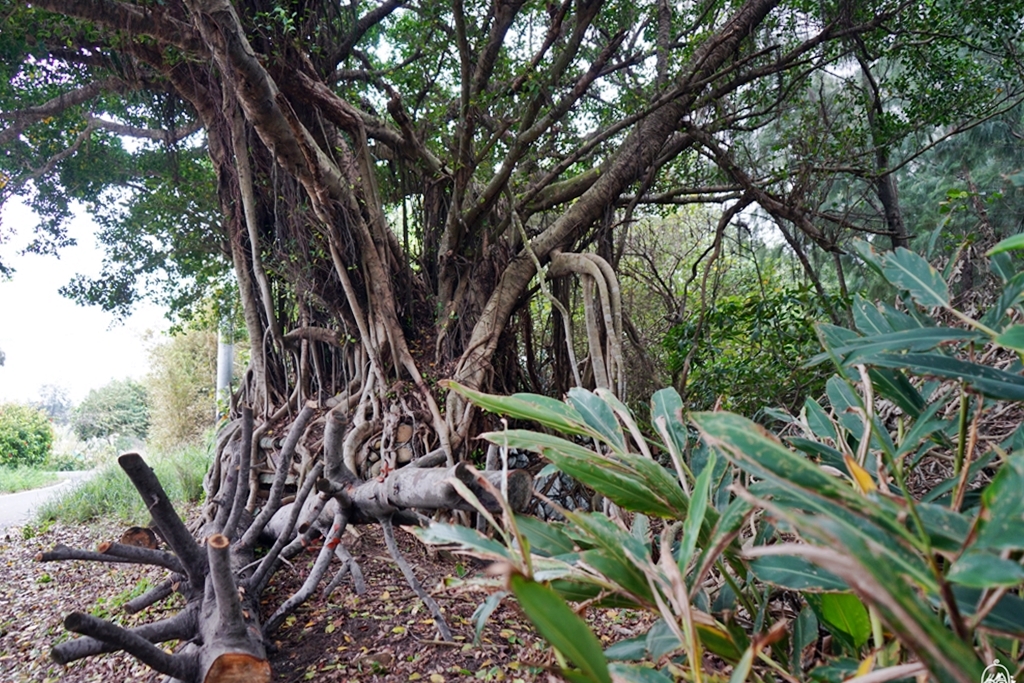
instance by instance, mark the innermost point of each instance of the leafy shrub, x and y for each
(26, 435)
(757, 543)
(751, 350)
(120, 408)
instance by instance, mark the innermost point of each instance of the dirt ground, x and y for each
(384, 635)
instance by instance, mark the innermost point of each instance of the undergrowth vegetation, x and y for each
(14, 479)
(878, 534)
(111, 494)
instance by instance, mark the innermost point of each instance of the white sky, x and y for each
(49, 339)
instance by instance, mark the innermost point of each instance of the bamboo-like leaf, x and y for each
(985, 570)
(484, 611)
(626, 673)
(845, 616)
(805, 632)
(1002, 526)
(598, 415)
(1011, 243)
(986, 380)
(468, 539)
(560, 626)
(908, 271)
(796, 573)
(541, 409)
(818, 420)
(868, 319)
(915, 340)
(667, 404)
(1012, 338)
(546, 538)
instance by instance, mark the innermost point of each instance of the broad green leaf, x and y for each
(631, 481)
(638, 674)
(1011, 243)
(1002, 526)
(946, 528)
(541, 409)
(630, 650)
(667, 404)
(867, 253)
(546, 538)
(818, 420)
(796, 573)
(985, 570)
(908, 271)
(598, 415)
(661, 640)
(844, 615)
(845, 405)
(897, 318)
(917, 339)
(561, 627)
(986, 380)
(868, 319)
(805, 632)
(1012, 338)
(468, 539)
(895, 386)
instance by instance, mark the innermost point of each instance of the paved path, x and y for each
(17, 508)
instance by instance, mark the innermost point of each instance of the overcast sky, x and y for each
(49, 339)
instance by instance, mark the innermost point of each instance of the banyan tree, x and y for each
(400, 193)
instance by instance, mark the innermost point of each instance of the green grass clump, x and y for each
(111, 494)
(14, 479)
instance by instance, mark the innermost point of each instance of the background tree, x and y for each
(180, 388)
(121, 408)
(26, 435)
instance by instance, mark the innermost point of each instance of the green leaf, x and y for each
(638, 674)
(483, 612)
(546, 538)
(1006, 617)
(541, 409)
(468, 539)
(598, 415)
(1002, 526)
(1010, 297)
(844, 615)
(667, 404)
(818, 420)
(1011, 243)
(868, 319)
(629, 650)
(985, 570)
(796, 573)
(1012, 338)
(986, 380)
(917, 339)
(805, 632)
(661, 640)
(695, 519)
(561, 627)
(908, 271)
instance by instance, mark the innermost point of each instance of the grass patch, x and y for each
(14, 479)
(111, 494)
